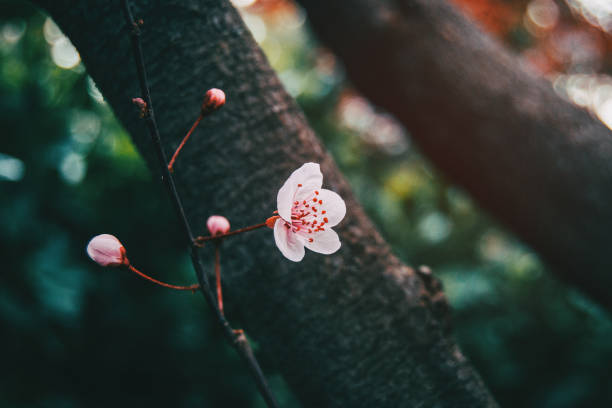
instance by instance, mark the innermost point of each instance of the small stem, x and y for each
(178, 149)
(200, 239)
(167, 285)
(218, 275)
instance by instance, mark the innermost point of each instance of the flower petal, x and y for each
(324, 242)
(333, 205)
(284, 200)
(288, 242)
(305, 179)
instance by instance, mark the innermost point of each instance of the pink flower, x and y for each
(307, 213)
(106, 250)
(217, 224)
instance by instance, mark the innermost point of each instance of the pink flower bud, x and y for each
(139, 102)
(106, 250)
(213, 100)
(141, 105)
(217, 224)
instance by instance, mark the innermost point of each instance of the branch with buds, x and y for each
(303, 219)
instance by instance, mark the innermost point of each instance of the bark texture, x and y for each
(539, 164)
(354, 329)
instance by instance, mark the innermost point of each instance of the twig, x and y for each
(218, 275)
(178, 149)
(236, 337)
(200, 239)
(167, 285)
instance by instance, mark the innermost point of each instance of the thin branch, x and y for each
(150, 117)
(236, 337)
(218, 275)
(178, 149)
(167, 285)
(199, 240)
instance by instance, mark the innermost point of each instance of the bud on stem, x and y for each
(213, 99)
(107, 250)
(217, 225)
(141, 105)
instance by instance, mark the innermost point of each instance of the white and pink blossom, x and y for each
(306, 214)
(107, 250)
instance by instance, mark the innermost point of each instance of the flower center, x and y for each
(308, 216)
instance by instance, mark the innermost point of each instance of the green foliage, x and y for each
(79, 335)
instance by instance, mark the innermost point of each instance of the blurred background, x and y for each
(79, 335)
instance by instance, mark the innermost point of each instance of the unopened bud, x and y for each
(141, 105)
(217, 225)
(213, 100)
(106, 250)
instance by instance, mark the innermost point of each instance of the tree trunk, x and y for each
(356, 328)
(539, 164)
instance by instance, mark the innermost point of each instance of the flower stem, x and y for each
(167, 285)
(200, 239)
(180, 147)
(218, 275)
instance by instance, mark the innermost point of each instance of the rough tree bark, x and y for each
(354, 329)
(539, 164)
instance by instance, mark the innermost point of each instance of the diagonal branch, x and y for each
(236, 337)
